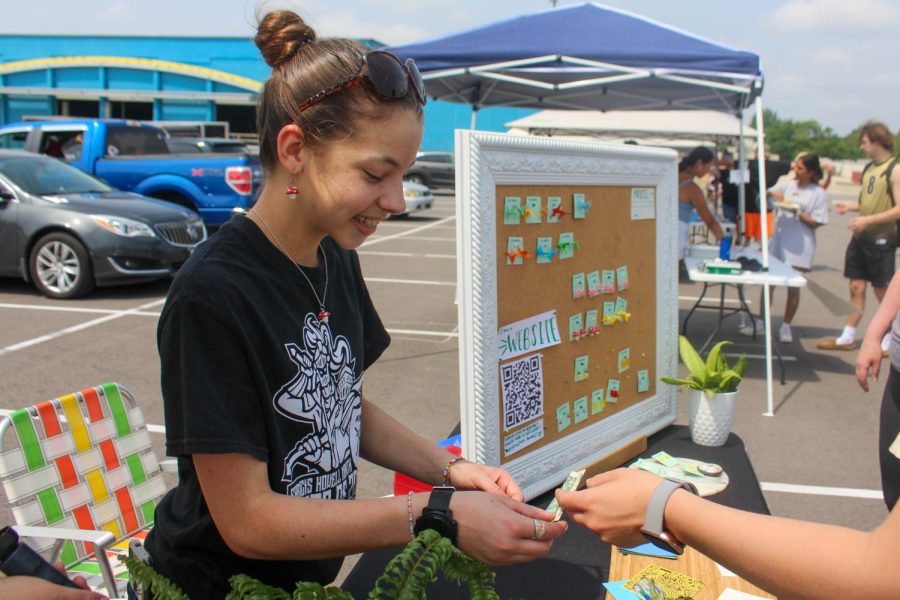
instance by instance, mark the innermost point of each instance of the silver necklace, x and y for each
(323, 314)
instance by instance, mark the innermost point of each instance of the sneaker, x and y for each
(834, 344)
(747, 330)
(784, 333)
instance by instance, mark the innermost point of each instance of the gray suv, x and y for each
(434, 169)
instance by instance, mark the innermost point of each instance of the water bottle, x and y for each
(725, 248)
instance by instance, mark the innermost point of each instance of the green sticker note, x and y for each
(545, 251)
(590, 321)
(576, 327)
(566, 245)
(643, 382)
(581, 409)
(593, 284)
(554, 209)
(512, 210)
(533, 209)
(597, 402)
(622, 278)
(515, 251)
(621, 304)
(581, 367)
(609, 313)
(612, 391)
(608, 282)
(563, 417)
(578, 290)
(580, 206)
(624, 361)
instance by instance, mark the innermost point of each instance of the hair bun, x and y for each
(280, 34)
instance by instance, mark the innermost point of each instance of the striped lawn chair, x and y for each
(82, 480)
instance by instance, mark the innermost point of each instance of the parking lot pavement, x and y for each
(816, 457)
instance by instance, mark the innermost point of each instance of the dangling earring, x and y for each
(291, 190)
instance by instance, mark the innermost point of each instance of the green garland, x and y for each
(406, 577)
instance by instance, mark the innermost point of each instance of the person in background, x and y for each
(868, 365)
(690, 197)
(785, 557)
(802, 208)
(266, 334)
(871, 253)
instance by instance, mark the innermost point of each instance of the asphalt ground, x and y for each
(816, 457)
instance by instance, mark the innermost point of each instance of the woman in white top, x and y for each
(802, 208)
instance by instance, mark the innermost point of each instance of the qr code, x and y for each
(522, 383)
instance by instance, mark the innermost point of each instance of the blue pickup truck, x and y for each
(133, 156)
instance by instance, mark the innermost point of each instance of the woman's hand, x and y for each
(612, 505)
(858, 224)
(500, 531)
(868, 362)
(473, 476)
(21, 586)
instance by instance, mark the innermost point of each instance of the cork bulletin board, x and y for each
(566, 297)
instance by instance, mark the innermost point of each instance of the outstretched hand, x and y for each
(473, 476)
(868, 363)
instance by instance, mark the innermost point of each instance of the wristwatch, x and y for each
(437, 515)
(656, 509)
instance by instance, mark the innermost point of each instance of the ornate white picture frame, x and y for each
(486, 160)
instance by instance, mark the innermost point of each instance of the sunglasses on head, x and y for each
(384, 74)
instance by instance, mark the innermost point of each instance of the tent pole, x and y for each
(472, 124)
(764, 227)
(742, 201)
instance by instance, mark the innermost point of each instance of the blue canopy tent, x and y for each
(589, 56)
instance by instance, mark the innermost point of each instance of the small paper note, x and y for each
(593, 284)
(621, 305)
(622, 278)
(581, 368)
(609, 313)
(667, 459)
(527, 335)
(643, 381)
(545, 250)
(522, 438)
(563, 418)
(515, 251)
(566, 245)
(512, 210)
(580, 205)
(597, 402)
(590, 321)
(533, 209)
(624, 361)
(642, 200)
(608, 282)
(554, 209)
(576, 326)
(578, 287)
(581, 409)
(612, 391)
(522, 387)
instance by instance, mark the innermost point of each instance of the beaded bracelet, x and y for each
(445, 478)
(412, 529)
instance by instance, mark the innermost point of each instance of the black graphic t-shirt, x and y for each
(248, 368)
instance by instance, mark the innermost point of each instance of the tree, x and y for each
(787, 138)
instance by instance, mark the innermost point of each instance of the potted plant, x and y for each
(712, 405)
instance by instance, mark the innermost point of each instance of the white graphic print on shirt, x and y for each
(326, 395)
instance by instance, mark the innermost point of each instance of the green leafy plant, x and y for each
(712, 376)
(405, 577)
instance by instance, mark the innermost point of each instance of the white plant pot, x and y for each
(711, 418)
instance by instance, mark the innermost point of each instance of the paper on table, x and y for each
(648, 549)
(725, 572)
(618, 591)
(733, 594)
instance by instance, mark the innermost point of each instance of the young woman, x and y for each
(267, 332)
(690, 197)
(802, 208)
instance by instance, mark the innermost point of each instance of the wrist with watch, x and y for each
(653, 527)
(437, 515)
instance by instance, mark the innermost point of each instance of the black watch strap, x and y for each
(440, 498)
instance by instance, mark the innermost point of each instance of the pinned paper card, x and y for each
(578, 289)
(642, 200)
(643, 381)
(624, 361)
(621, 305)
(580, 206)
(622, 278)
(597, 402)
(514, 251)
(554, 209)
(563, 417)
(581, 367)
(528, 335)
(590, 322)
(581, 409)
(608, 282)
(576, 326)
(593, 284)
(612, 391)
(522, 438)
(566, 245)
(532, 209)
(512, 210)
(545, 250)
(609, 313)
(522, 385)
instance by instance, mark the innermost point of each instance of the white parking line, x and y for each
(102, 311)
(405, 254)
(406, 233)
(444, 334)
(80, 327)
(408, 281)
(818, 490)
(417, 238)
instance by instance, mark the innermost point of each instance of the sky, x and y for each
(835, 61)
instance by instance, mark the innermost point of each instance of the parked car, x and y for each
(434, 169)
(417, 196)
(183, 145)
(68, 232)
(133, 156)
